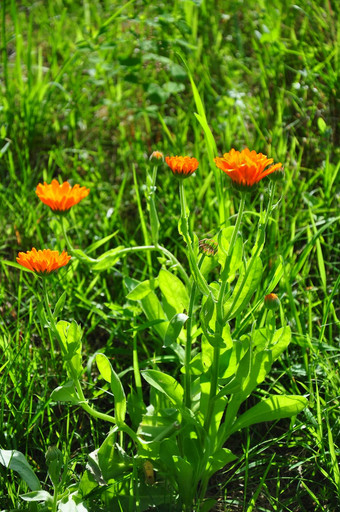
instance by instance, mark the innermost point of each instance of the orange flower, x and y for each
(182, 166)
(60, 198)
(43, 262)
(246, 168)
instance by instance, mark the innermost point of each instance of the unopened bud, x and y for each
(272, 301)
(208, 246)
(157, 158)
(277, 176)
(54, 461)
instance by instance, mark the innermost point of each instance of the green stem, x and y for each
(257, 247)
(154, 222)
(136, 371)
(55, 498)
(201, 282)
(142, 222)
(226, 269)
(187, 375)
(67, 240)
(219, 320)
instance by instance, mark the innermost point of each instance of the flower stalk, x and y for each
(184, 225)
(220, 320)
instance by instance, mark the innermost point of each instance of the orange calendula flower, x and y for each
(43, 262)
(246, 168)
(182, 166)
(60, 198)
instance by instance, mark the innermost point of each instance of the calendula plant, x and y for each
(174, 428)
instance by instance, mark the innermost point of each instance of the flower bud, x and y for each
(277, 176)
(208, 246)
(272, 302)
(54, 461)
(157, 158)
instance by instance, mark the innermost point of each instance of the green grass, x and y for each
(89, 90)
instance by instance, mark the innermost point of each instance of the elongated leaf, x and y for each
(174, 328)
(220, 459)
(59, 306)
(184, 475)
(37, 496)
(244, 289)
(155, 429)
(140, 291)
(100, 242)
(154, 311)
(174, 291)
(172, 333)
(15, 460)
(165, 384)
(236, 257)
(152, 308)
(276, 277)
(112, 459)
(71, 335)
(16, 265)
(108, 374)
(65, 393)
(273, 408)
(108, 259)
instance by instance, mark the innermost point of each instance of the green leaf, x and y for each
(15, 460)
(140, 291)
(273, 408)
(245, 287)
(184, 475)
(108, 259)
(100, 242)
(208, 504)
(230, 359)
(276, 277)
(165, 384)
(218, 460)
(59, 306)
(16, 265)
(321, 125)
(108, 374)
(112, 459)
(152, 308)
(71, 335)
(154, 312)
(37, 496)
(155, 429)
(174, 291)
(172, 333)
(224, 238)
(174, 328)
(42, 315)
(65, 393)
